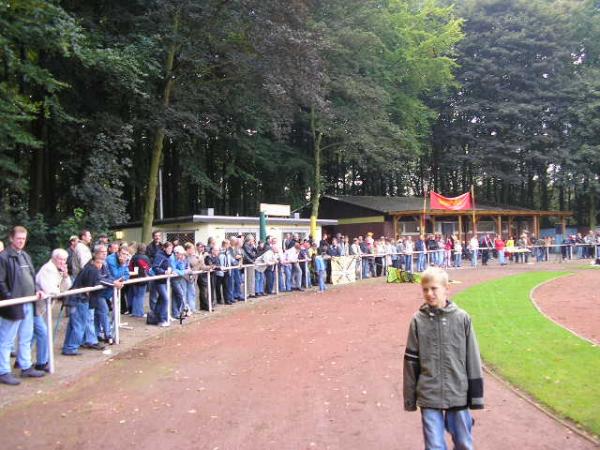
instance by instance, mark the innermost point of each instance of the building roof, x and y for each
(201, 218)
(390, 205)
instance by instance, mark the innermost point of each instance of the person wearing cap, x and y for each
(179, 265)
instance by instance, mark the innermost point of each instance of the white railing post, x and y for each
(51, 366)
(209, 287)
(360, 263)
(117, 314)
(245, 284)
(306, 274)
(169, 300)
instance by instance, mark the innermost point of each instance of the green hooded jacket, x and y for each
(442, 367)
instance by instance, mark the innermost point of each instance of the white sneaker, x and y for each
(164, 324)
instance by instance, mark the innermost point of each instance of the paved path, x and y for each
(304, 371)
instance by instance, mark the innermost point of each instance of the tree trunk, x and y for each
(159, 136)
(316, 191)
(593, 210)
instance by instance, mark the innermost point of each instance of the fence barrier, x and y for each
(566, 254)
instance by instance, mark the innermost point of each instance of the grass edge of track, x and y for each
(533, 353)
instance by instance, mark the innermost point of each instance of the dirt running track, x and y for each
(304, 371)
(578, 310)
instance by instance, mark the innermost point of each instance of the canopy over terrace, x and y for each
(405, 216)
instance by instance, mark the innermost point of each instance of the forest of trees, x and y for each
(248, 101)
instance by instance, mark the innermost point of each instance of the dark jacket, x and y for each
(89, 276)
(442, 367)
(143, 263)
(10, 275)
(160, 264)
(152, 249)
(249, 254)
(432, 244)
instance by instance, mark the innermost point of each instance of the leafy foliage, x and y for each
(403, 95)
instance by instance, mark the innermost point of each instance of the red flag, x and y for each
(459, 203)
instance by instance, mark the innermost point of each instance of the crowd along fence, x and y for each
(566, 251)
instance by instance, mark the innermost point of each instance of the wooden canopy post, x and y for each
(460, 228)
(535, 226)
(499, 226)
(563, 225)
(510, 226)
(395, 219)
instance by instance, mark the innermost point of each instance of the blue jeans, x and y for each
(8, 332)
(40, 335)
(288, 277)
(237, 284)
(365, 268)
(260, 282)
(501, 258)
(102, 318)
(281, 279)
(78, 322)
(160, 308)
(458, 259)
(408, 263)
(270, 281)
(306, 282)
(421, 262)
(190, 295)
(138, 291)
(474, 258)
(322, 275)
(177, 293)
(457, 423)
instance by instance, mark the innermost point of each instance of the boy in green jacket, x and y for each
(442, 367)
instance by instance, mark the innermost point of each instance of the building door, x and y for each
(449, 228)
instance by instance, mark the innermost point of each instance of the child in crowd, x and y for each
(320, 269)
(442, 367)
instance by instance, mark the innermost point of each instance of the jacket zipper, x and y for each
(440, 354)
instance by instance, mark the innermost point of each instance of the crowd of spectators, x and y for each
(207, 275)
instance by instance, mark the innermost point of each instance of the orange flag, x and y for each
(460, 203)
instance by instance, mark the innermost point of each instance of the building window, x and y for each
(301, 234)
(409, 227)
(181, 236)
(487, 226)
(235, 233)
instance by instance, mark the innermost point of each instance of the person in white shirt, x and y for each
(291, 256)
(52, 279)
(474, 249)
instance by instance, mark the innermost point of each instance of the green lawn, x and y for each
(555, 367)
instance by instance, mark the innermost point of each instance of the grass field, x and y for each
(552, 365)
